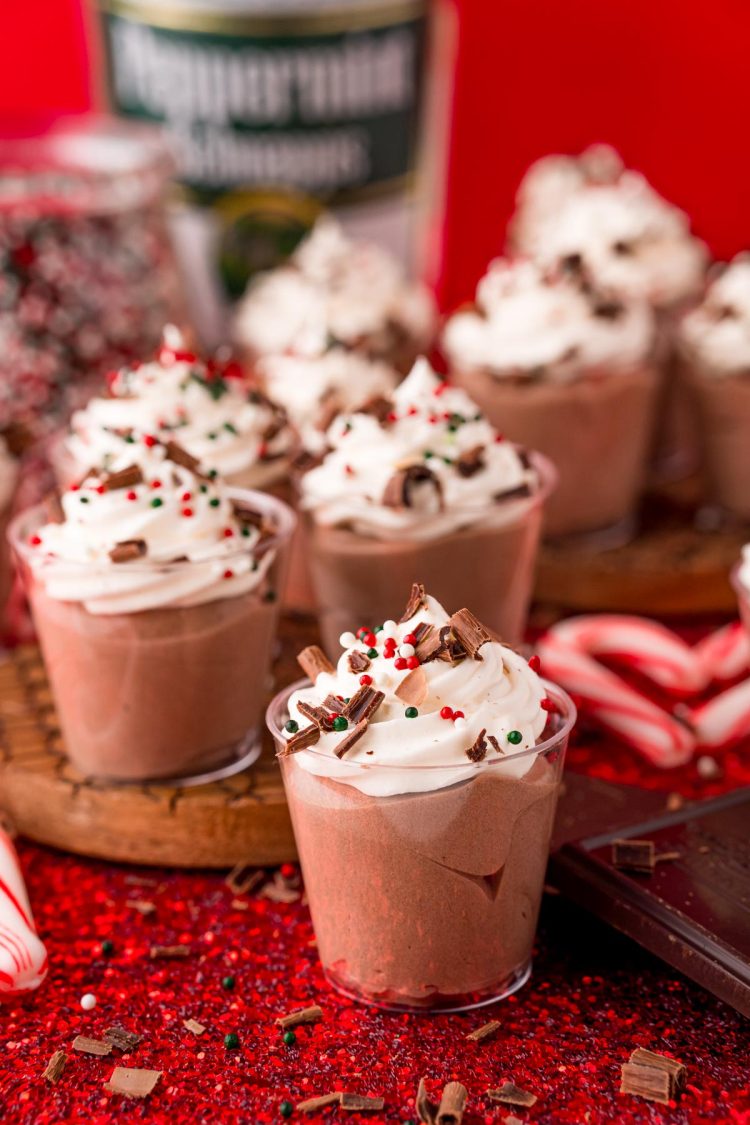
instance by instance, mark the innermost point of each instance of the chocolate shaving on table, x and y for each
(180, 456)
(143, 906)
(415, 603)
(132, 1082)
(121, 1038)
(88, 1046)
(634, 855)
(413, 688)
(358, 661)
(243, 878)
(312, 660)
(302, 740)
(511, 1119)
(515, 493)
(278, 890)
(310, 1105)
(378, 407)
(124, 478)
(484, 1032)
(470, 632)
(358, 1103)
(477, 752)
(510, 1094)
(317, 715)
(426, 1109)
(471, 461)
(169, 952)
(193, 1027)
(351, 737)
(300, 1016)
(52, 1073)
(399, 490)
(452, 1105)
(363, 704)
(128, 550)
(655, 1075)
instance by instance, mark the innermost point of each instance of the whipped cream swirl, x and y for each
(531, 322)
(422, 464)
(334, 291)
(8, 474)
(594, 215)
(498, 694)
(170, 536)
(209, 408)
(716, 335)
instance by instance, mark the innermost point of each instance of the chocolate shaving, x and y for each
(128, 550)
(430, 644)
(426, 1109)
(415, 602)
(310, 1105)
(243, 878)
(180, 456)
(279, 890)
(316, 715)
(88, 1046)
(510, 1094)
(399, 491)
(516, 493)
(643, 1060)
(363, 705)
(169, 952)
(452, 649)
(299, 1016)
(470, 632)
(477, 752)
(494, 744)
(608, 310)
(333, 703)
(143, 906)
(634, 855)
(53, 1071)
(193, 1027)
(378, 407)
(351, 737)
(312, 660)
(358, 662)
(132, 1083)
(121, 1038)
(471, 462)
(452, 1104)
(413, 688)
(650, 1082)
(302, 740)
(125, 478)
(357, 1103)
(484, 1032)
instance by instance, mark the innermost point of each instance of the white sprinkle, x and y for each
(406, 650)
(88, 1001)
(708, 768)
(347, 640)
(390, 628)
(460, 724)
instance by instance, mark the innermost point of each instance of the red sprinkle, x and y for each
(228, 533)
(349, 470)
(75, 487)
(187, 512)
(156, 484)
(100, 489)
(458, 715)
(441, 389)
(412, 411)
(446, 712)
(149, 441)
(499, 437)
(535, 663)
(548, 705)
(412, 661)
(399, 663)
(370, 640)
(262, 449)
(409, 639)
(186, 496)
(228, 573)
(34, 540)
(365, 680)
(131, 496)
(391, 416)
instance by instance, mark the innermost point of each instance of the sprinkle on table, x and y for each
(300, 1016)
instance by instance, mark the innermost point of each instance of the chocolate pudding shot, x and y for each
(714, 344)
(567, 370)
(420, 482)
(422, 773)
(208, 406)
(594, 217)
(155, 592)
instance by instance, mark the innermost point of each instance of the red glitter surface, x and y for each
(593, 997)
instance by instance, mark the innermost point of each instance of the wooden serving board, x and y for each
(241, 819)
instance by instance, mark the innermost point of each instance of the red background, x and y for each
(665, 82)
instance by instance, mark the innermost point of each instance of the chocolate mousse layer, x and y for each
(359, 578)
(128, 686)
(723, 406)
(425, 899)
(595, 429)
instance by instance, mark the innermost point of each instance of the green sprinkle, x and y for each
(515, 737)
(291, 726)
(212, 436)
(372, 653)
(378, 629)
(452, 427)
(213, 474)
(447, 461)
(286, 1109)
(204, 488)
(129, 439)
(270, 595)
(157, 502)
(227, 983)
(290, 1038)
(340, 723)
(230, 428)
(232, 1041)
(214, 501)
(411, 712)
(108, 947)
(84, 499)
(245, 533)
(428, 454)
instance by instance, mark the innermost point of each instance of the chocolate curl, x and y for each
(180, 456)
(426, 1109)
(125, 478)
(413, 688)
(88, 1046)
(478, 751)
(510, 1094)
(128, 550)
(312, 660)
(311, 1105)
(430, 645)
(351, 738)
(363, 704)
(299, 1016)
(470, 632)
(452, 1104)
(471, 462)
(399, 491)
(358, 662)
(316, 715)
(52, 1073)
(377, 407)
(415, 602)
(302, 740)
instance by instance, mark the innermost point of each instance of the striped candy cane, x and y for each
(23, 958)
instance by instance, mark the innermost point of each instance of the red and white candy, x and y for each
(571, 651)
(23, 958)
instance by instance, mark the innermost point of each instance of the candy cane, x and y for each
(660, 737)
(23, 958)
(725, 654)
(723, 720)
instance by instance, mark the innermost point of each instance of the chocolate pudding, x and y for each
(596, 431)
(155, 597)
(423, 810)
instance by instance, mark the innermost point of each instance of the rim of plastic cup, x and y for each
(564, 703)
(285, 518)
